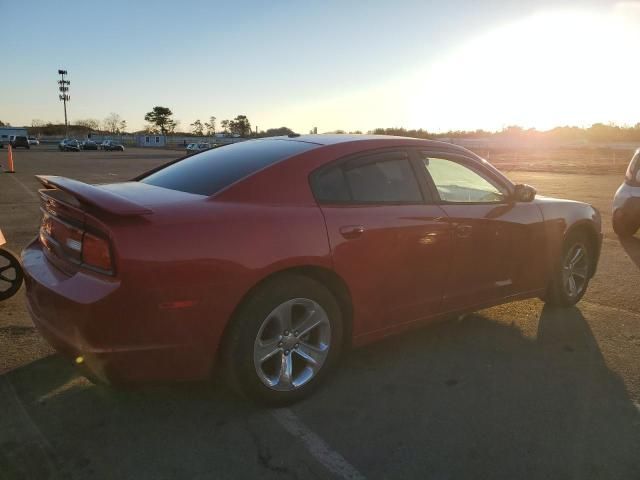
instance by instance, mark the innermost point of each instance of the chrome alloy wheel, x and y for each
(292, 344)
(575, 270)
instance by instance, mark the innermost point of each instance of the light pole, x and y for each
(64, 97)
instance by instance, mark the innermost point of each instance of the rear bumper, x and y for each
(627, 201)
(119, 339)
(631, 208)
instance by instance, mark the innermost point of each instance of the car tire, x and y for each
(622, 226)
(572, 272)
(11, 275)
(296, 356)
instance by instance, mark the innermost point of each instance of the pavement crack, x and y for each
(264, 455)
(17, 330)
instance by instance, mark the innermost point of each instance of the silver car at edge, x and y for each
(626, 202)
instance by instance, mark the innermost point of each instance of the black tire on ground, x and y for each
(557, 293)
(237, 354)
(622, 226)
(11, 275)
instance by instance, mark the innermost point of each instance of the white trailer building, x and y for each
(9, 133)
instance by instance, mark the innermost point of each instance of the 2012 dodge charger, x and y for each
(269, 257)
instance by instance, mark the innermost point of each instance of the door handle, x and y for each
(351, 231)
(463, 231)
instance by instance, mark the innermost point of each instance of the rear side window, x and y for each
(377, 178)
(210, 171)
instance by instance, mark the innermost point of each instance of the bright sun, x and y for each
(550, 69)
(560, 67)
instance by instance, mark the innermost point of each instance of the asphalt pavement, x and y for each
(515, 391)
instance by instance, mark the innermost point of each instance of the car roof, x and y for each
(392, 141)
(334, 139)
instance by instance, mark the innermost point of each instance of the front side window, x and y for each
(377, 178)
(458, 183)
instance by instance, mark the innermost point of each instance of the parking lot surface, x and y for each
(515, 391)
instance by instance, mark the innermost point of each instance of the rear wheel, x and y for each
(623, 226)
(11, 275)
(284, 340)
(572, 273)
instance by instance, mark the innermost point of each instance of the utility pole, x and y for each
(64, 97)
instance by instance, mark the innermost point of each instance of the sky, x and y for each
(455, 65)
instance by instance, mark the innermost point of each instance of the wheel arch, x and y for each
(588, 229)
(325, 276)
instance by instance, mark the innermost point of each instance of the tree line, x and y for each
(113, 124)
(160, 120)
(598, 132)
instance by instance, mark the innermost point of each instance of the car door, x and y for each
(389, 242)
(498, 244)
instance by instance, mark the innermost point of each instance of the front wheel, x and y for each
(283, 341)
(11, 275)
(572, 273)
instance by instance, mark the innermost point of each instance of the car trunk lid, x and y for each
(78, 219)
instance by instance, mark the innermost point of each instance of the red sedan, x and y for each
(271, 256)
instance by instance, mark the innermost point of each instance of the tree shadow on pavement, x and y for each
(474, 398)
(632, 247)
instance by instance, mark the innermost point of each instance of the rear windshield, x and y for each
(210, 171)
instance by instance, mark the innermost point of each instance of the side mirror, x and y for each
(524, 193)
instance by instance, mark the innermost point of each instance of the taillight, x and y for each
(96, 252)
(56, 234)
(75, 244)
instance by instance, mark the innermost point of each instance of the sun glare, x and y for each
(550, 69)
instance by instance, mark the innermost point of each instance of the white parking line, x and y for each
(18, 423)
(330, 459)
(78, 382)
(31, 193)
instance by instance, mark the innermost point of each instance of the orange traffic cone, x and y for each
(10, 160)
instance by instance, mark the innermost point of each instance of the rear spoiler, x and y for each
(96, 197)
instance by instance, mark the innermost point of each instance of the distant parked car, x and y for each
(110, 145)
(197, 147)
(20, 141)
(626, 203)
(69, 145)
(33, 141)
(89, 145)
